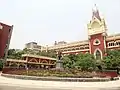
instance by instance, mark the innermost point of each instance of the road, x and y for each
(18, 84)
(3, 87)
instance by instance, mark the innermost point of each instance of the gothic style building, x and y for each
(97, 44)
(98, 40)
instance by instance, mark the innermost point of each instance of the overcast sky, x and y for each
(46, 21)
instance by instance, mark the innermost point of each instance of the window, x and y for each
(73, 48)
(98, 55)
(113, 44)
(82, 47)
(96, 42)
(9, 30)
(86, 47)
(117, 43)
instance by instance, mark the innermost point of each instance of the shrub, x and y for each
(1, 65)
(53, 73)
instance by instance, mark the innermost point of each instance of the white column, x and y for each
(89, 37)
(46, 48)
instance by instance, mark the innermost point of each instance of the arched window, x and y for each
(98, 55)
(113, 44)
(117, 43)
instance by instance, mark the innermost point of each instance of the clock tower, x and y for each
(97, 35)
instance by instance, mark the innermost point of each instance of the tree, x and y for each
(1, 65)
(112, 60)
(51, 54)
(86, 61)
(11, 53)
(28, 51)
(17, 54)
(14, 54)
(80, 61)
(69, 61)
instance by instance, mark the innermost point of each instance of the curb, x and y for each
(59, 79)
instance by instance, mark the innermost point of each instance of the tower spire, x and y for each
(95, 7)
(95, 12)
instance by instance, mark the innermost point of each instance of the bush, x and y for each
(53, 73)
(1, 65)
(85, 62)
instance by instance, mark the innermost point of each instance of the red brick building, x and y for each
(5, 36)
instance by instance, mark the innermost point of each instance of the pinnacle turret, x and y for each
(95, 13)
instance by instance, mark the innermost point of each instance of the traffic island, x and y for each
(56, 78)
(71, 75)
(65, 79)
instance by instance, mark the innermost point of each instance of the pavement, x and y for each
(24, 88)
(58, 85)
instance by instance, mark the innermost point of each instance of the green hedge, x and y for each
(1, 65)
(54, 73)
